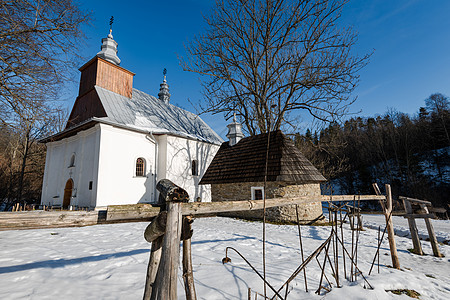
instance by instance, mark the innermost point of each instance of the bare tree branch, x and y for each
(264, 58)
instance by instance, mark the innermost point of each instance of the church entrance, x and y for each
(67, 194)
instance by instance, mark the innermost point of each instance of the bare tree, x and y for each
(38, 43)
(268, 59)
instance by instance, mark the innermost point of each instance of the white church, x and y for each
(119, 142)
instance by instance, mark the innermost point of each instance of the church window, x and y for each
(257, 192)
(194, 167)
(140, 167)
(72, 161)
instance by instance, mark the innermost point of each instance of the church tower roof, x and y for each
(234, 132)
(109, 49)
(164, 94)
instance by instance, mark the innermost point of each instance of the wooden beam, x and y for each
(131, 211)
(146, 211)
(419, 216)
(414, 200)
(198, 208)
(54, 219)
(47, 219)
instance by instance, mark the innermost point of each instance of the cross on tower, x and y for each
(111, 21)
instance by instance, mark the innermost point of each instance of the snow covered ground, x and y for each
(109, 261)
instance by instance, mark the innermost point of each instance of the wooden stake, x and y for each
(389, 225)
(188, 275)
(431, 235)
(165, 287)
(413, 228)
(152, 269)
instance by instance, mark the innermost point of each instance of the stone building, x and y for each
(238, 169)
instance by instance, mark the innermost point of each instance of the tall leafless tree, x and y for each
(268, 59)
(38, 43)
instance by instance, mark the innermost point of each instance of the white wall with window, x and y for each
(73, 158)
(180, 166)
(107, 172)
(126, 169)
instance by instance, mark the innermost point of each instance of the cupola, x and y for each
(234, 134)
(109, 49)
(164, 94)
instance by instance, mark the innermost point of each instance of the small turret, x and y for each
(164, 94)
(109, 49)
(234, 134)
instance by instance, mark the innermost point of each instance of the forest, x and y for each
(409, 152)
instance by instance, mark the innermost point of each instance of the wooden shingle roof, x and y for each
(245, 162)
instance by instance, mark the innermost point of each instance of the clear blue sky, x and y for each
(410, 40)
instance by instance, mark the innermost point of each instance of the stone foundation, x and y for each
(308, 213)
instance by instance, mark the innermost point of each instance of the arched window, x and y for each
(194, 167)
(72, 161)
(140, 167)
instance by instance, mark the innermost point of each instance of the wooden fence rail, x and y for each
(144, 211)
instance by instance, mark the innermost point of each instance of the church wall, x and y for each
(117, 180)
(180, 153)
(59, 169)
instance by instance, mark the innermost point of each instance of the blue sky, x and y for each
(410, 40)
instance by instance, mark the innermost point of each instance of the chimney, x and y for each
(234, 134)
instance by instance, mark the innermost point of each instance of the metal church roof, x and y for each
(145, 112)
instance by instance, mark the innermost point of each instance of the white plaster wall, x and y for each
(179, 155)
(58, 171)
(107, 155)
(117, 183)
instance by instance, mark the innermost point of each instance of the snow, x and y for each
(110, 261)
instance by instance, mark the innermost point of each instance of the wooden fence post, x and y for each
(431, 234)
(390, 225)
(188, 276)
(387, 209)
(165, 287)
(152, 269)
(413, 228)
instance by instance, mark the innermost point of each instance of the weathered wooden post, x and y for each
(165, 286)
(164, 233)
(425, 214)
(188, 276)
(387, 209)
(154, 234)
(413, 227)
(431, 234)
